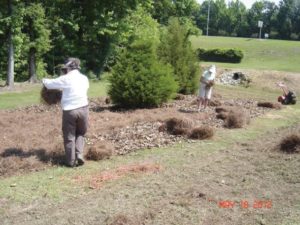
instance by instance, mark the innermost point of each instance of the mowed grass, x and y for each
(14, 99)
(264, 54)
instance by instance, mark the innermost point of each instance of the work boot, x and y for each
(70, 164)
(80, 160)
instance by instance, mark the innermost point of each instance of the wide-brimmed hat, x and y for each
(72, 63)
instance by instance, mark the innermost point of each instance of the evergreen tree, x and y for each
(175, 49)
(139, 79)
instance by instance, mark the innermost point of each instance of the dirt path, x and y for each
(247, 183)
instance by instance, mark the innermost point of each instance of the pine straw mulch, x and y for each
(272, 105)
(290, 143)
(50, 96)
(96, 181)
(35, 131)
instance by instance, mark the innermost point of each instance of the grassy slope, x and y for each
(258, 54)
(32, 96)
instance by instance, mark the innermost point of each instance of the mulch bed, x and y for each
(37, 129)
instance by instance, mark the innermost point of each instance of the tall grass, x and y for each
(258, 53)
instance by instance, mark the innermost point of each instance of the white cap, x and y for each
(212, 69)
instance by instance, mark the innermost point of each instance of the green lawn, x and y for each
(10, 100)
(258, 54)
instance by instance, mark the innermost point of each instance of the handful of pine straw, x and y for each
(269, 105)
(50, 96)
(210, 84)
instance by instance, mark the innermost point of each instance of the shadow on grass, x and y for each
(54, 157)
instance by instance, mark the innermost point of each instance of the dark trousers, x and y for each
(74, 126)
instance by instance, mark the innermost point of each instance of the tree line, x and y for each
(279, 21)
(37, 35)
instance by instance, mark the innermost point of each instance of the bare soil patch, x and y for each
(31, 136)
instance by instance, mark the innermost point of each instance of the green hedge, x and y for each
(231, 55)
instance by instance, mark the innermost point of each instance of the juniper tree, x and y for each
(175, 49)
(139, 79)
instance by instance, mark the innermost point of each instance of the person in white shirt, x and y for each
(206, 83)
(74, 103)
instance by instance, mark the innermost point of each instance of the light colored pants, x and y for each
(204, 92)
(74, 126)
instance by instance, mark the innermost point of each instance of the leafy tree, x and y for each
(162, 10)
(237, 15)
(88, 29)
(15, 39)
(10, 68)
(254, 15)
(270, 12)
(288, 18)
(37, 39)
(175, 49)
(201, 19)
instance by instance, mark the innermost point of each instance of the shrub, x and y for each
(201, 133)
(221, 55)
(290, 144)
(139, 80)
(175, 49)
